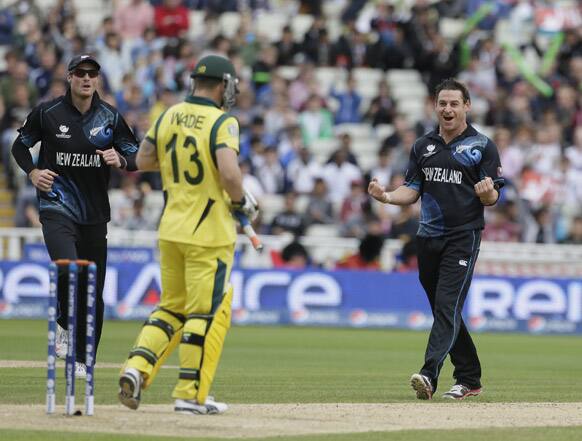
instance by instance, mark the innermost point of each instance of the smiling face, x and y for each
(83, 80)
(451, 111)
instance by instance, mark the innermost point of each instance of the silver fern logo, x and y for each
(95, 130)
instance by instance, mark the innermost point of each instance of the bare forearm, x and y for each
(147, 158)
(232, 183)
(401, 196)
(490, 199)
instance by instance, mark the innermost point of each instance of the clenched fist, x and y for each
(378, 191)
(112, 158)
(42, 179)
(486, 192)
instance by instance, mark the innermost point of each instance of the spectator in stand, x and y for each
(289, 220)
(164, 101)
(133, 18)
(294, 256)
(171, 19)
(349, 103)
(17, 75)
(321, 51)
(250, 182)
(114, 61)
(428, 122)
(353, 205)
(300, 88)
(315, 121)
(303, 172)
(544, 154)
(575, 235)
(280, 117)
(42, 76)
(287, 48)
(367, 257)
(566, 110)
(384, 167)
(574, 152)
(271, 173)
(511, 156)
(139, 220)
(263, 69)
(401, 125)
(351, 49)
(500, 227)
(408, 258)
(339, 175)
(405, 224)
(542, 229)
(7, 22)
(382, 108)
(319, 209)
(345, 145)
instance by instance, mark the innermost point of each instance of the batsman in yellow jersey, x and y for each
(194, 145)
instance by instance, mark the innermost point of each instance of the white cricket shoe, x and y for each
(422, 386)
(80, 370)
(130, 388)
(61, 343)
(192, 407)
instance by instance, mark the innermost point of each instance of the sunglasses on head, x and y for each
(80, 73)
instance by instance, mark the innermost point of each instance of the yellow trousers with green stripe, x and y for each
(194, 281)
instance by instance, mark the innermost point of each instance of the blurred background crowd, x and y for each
(332, 93)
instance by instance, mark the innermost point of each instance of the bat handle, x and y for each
(249, 231)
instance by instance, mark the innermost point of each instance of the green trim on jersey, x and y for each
(201, 100)
(214, 133)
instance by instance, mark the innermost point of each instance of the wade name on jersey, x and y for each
(446, 175)
(78, 159)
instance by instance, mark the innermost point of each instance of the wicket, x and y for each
(73, 266)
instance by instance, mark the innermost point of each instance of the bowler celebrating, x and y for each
(456, 171)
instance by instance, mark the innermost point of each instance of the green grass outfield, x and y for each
(318, 365)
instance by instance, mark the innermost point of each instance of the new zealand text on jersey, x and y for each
(187, 120)
(78, 160)
(438, 174)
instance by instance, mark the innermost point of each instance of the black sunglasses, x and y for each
(80, 73)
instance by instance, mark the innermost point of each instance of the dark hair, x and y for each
(452, 84)
(294, 249)
(206, 83)
(371, 247)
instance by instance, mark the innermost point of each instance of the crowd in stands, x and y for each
(526, 98)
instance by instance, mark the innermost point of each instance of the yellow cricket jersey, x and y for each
(186, 136)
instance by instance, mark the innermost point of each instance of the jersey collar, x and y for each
(469, 131)
(69, 100)
(192, 99)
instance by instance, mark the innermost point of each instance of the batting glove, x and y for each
(247, 206)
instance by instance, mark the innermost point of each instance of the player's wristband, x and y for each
(123, 161)
(239, 204)
(387, 198)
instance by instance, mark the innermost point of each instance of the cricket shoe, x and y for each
(61, 343)
(460, 392)
(80, 370)
(422, 385)
(210, 407)
(130, 388)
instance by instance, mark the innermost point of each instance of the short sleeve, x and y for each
(413, 178)
(31, 131)
(152, 133)
(227, 134)
(490, 165)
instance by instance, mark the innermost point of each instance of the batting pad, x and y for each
(214, 343)
(156, 341)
